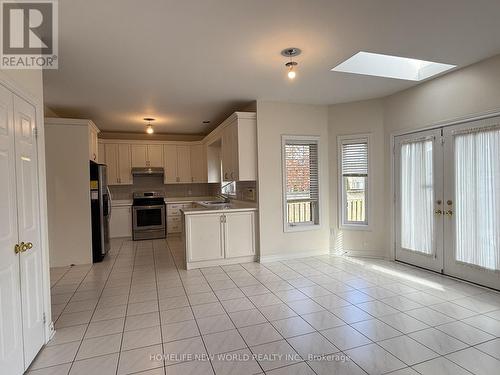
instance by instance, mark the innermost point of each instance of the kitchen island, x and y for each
(219, 233)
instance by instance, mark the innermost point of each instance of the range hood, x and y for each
(147, 171)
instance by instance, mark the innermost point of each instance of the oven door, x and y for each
(148, 217)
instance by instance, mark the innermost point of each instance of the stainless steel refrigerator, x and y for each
(100, 203)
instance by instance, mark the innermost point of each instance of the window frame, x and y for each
(307, 226)
(341, 193)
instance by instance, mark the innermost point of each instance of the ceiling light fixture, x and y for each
(291, 53)
(149, 127)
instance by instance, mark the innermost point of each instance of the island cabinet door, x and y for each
(204, 237)
(239, 234)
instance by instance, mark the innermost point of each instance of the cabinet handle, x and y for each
(225, 176)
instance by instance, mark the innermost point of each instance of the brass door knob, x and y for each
(438, 212)
(29, 246)
(449, 213)
(17, 248)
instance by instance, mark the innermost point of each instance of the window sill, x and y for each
(301, 228)
(363, 227)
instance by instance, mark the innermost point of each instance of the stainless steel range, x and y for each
(148, 215)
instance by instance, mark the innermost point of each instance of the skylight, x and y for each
(375, 64)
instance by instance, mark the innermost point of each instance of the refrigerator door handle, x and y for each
(109, 202)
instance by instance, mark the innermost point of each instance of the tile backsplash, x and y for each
(156, 184)
(245, 190)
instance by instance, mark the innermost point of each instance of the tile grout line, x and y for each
(95, 308)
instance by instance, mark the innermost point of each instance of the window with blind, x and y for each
(300, 185)
(353, 166)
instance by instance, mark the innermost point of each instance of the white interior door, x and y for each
(11, 345)
(419, 192)
(28, 214)
(472, 202)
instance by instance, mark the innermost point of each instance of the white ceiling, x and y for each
(185, 61)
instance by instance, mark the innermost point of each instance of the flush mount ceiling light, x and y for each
(291, 53)
(375, 64)
(149, 127)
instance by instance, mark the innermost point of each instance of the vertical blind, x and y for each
(355, 159)
(417, 196)
(477, 198)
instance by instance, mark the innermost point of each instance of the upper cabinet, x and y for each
(198, 157)
(229, 153)
(144, 155)
(118, 160)
(239, 147)
(184, 164)
(93, 144)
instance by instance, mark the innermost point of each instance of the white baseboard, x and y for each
(302, 254)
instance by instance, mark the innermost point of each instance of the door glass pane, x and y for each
(417, 195)
(477, 195)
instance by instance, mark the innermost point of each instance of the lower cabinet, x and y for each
(121, 222)
(219, 238)
(239, 234)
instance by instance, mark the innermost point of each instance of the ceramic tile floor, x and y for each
(317, 315)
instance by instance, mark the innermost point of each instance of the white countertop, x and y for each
(188, 199)
(235, 206)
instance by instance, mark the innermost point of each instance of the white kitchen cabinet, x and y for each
(170, 164)
(219, 238)
(174, 216)
(177, 164)
(198, 163)
(184, 164)
(239, 234)
(93, 143)
(204, 237)
(120, 224)
(213, 155)
(101, 157)
(118, 160)
(139, 155)
(144, 155)
(239, 148)
(155, 155)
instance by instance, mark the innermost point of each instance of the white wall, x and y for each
(67, 155)
(364, 117)
(463, 93)
(274, 120)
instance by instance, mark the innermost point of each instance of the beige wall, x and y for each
(29, 80)
(471, 91)
(274, 120)
(364, 117)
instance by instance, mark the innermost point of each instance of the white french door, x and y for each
(448, 200)
(419, 190)
(21, 297)
(28, 221)
(11, 339)
(472, 206)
